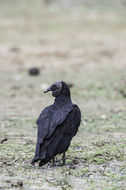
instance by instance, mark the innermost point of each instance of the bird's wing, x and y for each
(47, 123)
(45, 113)
(73, 122)
(58, 118)
(43, 123)
(49, 119)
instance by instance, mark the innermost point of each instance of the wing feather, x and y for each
(49, 119)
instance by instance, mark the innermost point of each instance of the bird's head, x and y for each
(58, 88)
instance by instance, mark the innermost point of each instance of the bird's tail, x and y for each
(35, 159)
(40, 153)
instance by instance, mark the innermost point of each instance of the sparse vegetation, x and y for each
(85, 47)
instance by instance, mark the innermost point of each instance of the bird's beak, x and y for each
(47, 90)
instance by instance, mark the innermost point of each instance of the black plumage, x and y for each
(57, 125)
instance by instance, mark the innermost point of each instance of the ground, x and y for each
(82, 46)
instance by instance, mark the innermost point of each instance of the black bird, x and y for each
(57, 125)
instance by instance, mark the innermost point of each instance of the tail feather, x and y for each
(35, 159)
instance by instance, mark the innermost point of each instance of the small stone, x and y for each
(15, 49)
(15, 87)
(103, 116)
(3, 140)
(84, 122)
(17, 184)
(34, 71)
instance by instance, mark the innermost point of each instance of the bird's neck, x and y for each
(62, 100)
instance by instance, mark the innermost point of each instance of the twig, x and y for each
(106, 165)
(15, 160)
(11, 173)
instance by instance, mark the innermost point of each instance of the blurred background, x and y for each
(82, 42)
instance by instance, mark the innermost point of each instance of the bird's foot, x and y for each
(64, 159)
(42, 163)
(54, 163)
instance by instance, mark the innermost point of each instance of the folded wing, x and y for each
(47, 122)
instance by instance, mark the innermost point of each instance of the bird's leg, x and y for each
(64, 159)
(54, 161)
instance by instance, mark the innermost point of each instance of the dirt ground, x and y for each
(85, 47)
